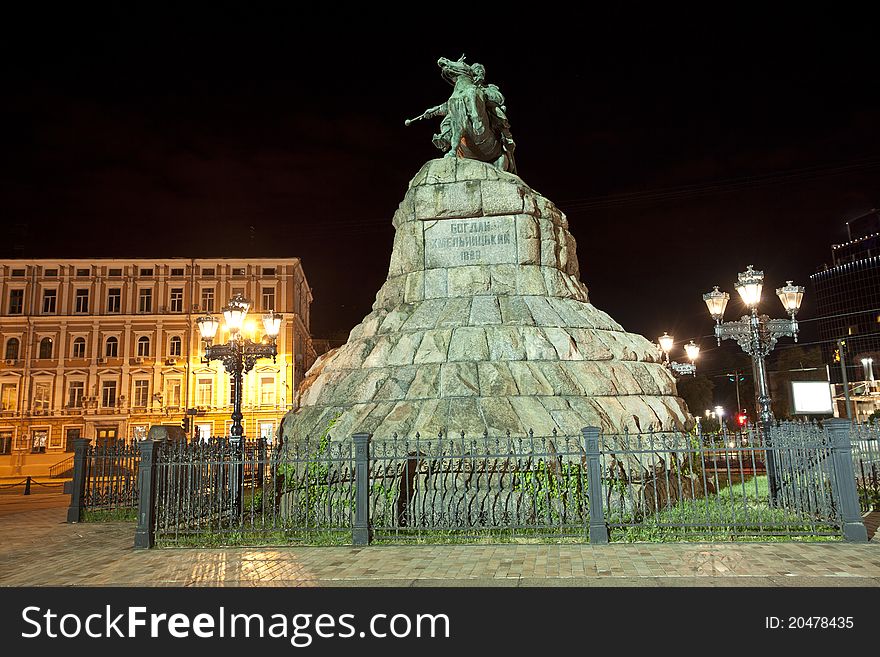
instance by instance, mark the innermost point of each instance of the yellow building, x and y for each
(103, 349)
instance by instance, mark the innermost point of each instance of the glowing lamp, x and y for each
(749, 285)
(791, 296)
(208, 326)
(272, 324)
(716, 301)
(666, 341)
(692, 350)
(235, 312)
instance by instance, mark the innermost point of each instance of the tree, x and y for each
(696, 392)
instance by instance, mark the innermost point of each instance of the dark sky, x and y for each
(680, 152)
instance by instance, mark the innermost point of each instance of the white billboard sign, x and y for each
(812, 398)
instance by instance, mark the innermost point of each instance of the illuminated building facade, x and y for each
(848, 309)
(103, 349)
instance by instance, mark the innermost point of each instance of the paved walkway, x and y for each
(38, 548)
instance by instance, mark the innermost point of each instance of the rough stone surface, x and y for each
(484, 325)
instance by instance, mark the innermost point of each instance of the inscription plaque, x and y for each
(474, 241)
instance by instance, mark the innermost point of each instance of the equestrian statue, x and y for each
(474, 124)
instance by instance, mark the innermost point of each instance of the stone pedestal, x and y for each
(482, 325)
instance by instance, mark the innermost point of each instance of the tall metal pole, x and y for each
(762, 394)
(237, 430)
(841, 346)
(738, 402)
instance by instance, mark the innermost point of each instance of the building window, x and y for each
(238, 271)
(268, 298)
(50, 272)
(83, 272)
(174, 346)
(177, 299)
(177, 271)
(207, 271)
(141, 393)
(147, 271)
(208, 300)
(114, 272)
(145, 300)
(75, 393)
(40, 438)
(114, 300)
(8, 396)
(18, 273)
(108, 394)
(69, 437)
(82, 301)
(112, 347)
(143, 346)
(42, 390)
(205, 392)
(79, 348)
(203, 431)
(5, 442)
(238, 290)
(267, 431)
(49, 299)
(16, 302)
(267, 391)
(172, 392)
(45, 348)
(12, 345)
(268, 271)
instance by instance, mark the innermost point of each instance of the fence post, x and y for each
(27, 486)
(598, 528)
(144, 535)
(80, 453)
(360, 533)
(841, 455)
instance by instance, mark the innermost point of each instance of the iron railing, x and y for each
(301, 494)
(468, 488)
(866, 463)
(797, 481)
(110, 476)
(673, 486)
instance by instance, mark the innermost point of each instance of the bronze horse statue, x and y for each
(474, 122)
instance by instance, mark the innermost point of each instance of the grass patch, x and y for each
(739, 512)
(109, 515)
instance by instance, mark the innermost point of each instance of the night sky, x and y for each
(679, 153)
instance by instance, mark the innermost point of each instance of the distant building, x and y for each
(848, 308)
(103, 349)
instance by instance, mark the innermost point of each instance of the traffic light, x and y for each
(184, 424)
(742, 419)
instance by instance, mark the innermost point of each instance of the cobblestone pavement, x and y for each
(38, 548)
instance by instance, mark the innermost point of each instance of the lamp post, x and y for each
(756, 335)
(240, 353)
(691, 349)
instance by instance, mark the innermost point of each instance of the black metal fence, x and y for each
(104, 477)
(866, 463)
(672, 486)
(218, 492)
(472, 488)
(798, 481)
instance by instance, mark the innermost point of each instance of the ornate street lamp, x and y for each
(756, 335)
(692, 350)
(240, 353)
